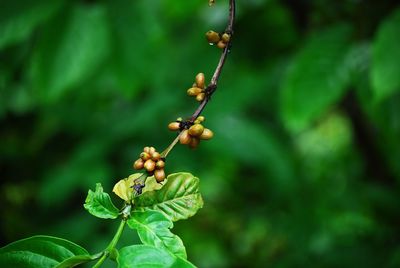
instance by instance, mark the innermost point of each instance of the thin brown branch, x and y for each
(209, 90)
(212, 87)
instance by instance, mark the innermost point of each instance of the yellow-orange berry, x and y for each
(196, 130)
(193, 91)
(212, 37)
(201, 96)
(207, 134)
(194, 142)
(159, 175)
(149, 165)
(145, 156)
(152, 150)
(221, 44)
(173, 126)
(138, 164)
(200, 80)
(155, 156)
(146, 149)
(226, 37)
(184, 137)
(160, 164)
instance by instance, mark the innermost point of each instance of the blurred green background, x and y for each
(304, 168)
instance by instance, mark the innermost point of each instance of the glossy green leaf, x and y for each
(178, 199)
(42, 251)
(76, 260)
(19, 18)
(71, 48)
(151, 185)
(143, 256)
(99, 204)
(386, 57)
(153, 228)
(316, 79)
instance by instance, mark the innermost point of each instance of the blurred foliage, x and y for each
(304, 168)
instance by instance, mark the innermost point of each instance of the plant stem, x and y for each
(165, 153)
(212, 87)
(111, 246)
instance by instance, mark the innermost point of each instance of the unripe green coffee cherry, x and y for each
(207, 134)
(173, 126)
(184, 137)
(160, 164)
(201, 96)
(200, 118)
(212, 37)
(194, 91)
(221, 44)
(149, 165)
(200, 80)
(138, 164)
(159, 175)
(226, 37)
(196, 130)
(145, 156)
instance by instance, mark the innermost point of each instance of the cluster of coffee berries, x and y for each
(193, 134)
(221, 40)
(152, 162)
(198, 88)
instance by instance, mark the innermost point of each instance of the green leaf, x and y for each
(69, 50)
(178, 199)
(385, 70)
(151, 185)
(143, 256)
(18, 18)
(316, 79)
(42, 251)
(99, 204)
(76, 260)
(153, 229)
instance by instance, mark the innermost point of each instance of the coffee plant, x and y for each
(152, 201)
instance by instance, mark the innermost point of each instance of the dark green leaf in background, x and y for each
(386, 57)
(42, 251)
(99, 204)
(316, 79)
(142, 256)
(79, 102)
(154, 229)
(18, 19)
(70, 50)
(178, 199)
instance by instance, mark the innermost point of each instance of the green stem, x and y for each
(111, 246)
(165, 153)
(101, 260)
